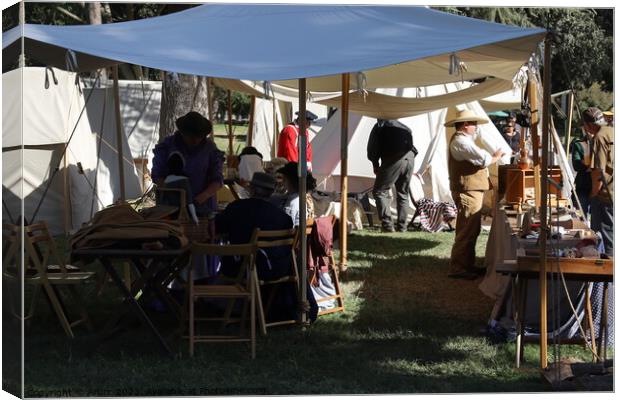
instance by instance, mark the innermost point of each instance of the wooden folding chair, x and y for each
(182, 196)
(243, 288)
(332, 270)
(269, 239)
(39, 249)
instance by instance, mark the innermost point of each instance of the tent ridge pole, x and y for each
(119, 131)
(302, 171)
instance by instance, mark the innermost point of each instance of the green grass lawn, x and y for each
(407, 329)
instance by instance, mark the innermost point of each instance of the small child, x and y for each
(176, 179)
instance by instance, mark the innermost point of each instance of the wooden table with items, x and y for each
(526, 267)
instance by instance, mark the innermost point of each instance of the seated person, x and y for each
(250, 161)
(177, 179)
(239, 220)
(241, 217)
(289, 201)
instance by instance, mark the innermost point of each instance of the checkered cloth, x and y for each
(433, 215)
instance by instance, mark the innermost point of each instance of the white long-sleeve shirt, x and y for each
(463, 148)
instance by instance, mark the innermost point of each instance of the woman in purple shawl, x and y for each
(203, 160)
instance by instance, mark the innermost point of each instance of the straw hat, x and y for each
(466, 116)
(609, 113)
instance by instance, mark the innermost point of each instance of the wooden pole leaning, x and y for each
(119, 131)
(274, 144)
(544, 189)
(344, 170)
(569, 121)
(302, 172)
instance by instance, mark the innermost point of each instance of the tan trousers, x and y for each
(469, 205)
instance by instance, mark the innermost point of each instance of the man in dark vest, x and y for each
(391, 142)
(469, 179)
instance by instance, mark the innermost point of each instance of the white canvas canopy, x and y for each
(54, 118)
(393, 46)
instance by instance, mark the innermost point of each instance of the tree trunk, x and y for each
(180, 96)
(94, 13)
(95, 18)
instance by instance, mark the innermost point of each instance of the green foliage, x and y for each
(240, 103)
(582, 40)
(594, 96)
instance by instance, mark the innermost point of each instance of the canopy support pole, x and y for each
(302, 171)
(230, 128)
(119, 131)
(274, 145)
(251, 122)
(344, 170)
(544, 229)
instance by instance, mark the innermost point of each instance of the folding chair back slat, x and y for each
(38, 248)
(243, 288)
(279, 238)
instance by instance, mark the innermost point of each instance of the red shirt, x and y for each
(287, 144)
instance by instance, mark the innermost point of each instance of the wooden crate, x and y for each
(520, 183)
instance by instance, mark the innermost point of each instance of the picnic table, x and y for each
(155, 269)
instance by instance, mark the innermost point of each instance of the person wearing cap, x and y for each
(241, 217)
(390, 149)
(203, 160)
(602, 174)
(289, 201)
(288, 138)
(469, 179)
(239, 220)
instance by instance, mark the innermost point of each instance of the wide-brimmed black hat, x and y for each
(310, 116)
(194, 124)
(263, 180)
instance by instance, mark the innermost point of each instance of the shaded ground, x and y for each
(407, 329)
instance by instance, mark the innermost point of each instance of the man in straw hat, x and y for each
(469, 179)
(602, 166)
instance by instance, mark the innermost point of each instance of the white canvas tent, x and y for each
(430, 137)
(55, 118)
(140, 104)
